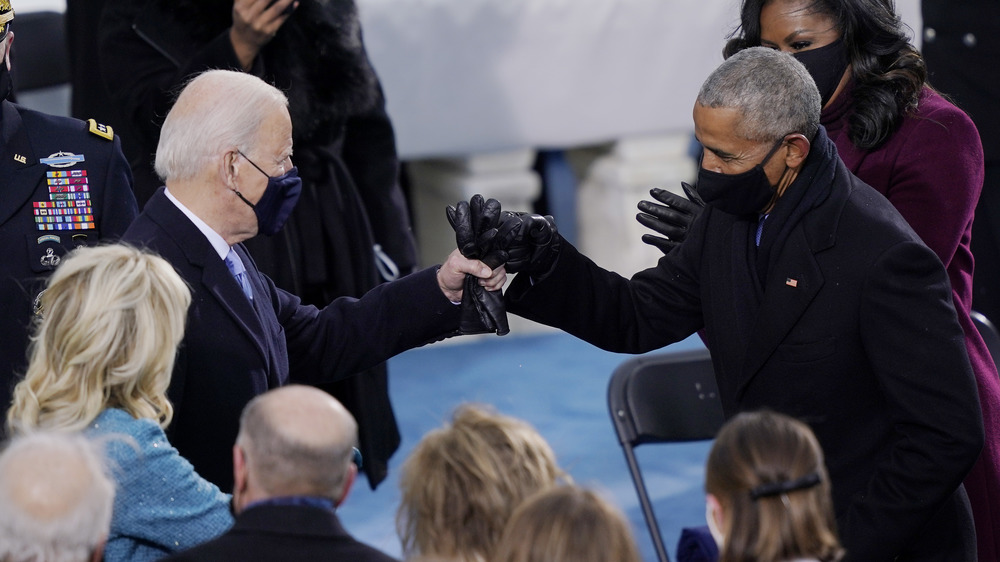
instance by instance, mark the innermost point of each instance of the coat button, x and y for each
(929, 34)
(969, 40)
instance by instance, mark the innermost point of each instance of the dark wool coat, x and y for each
(344, 147)
(852, 330)
(285, 533)
(235, 349)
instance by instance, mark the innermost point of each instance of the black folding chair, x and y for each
(663, 398)
(989, 332)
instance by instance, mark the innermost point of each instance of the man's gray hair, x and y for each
(774, 93)
(216, 111)
(55, 498)
(288, 461)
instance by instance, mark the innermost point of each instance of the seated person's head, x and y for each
(110, 320)
(768, 491)
(294, 441)
(55, 499)
(566, 524)
(461, 483)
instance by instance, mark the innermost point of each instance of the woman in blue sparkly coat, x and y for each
(100, 362)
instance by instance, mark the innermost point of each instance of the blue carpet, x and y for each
(558, 384)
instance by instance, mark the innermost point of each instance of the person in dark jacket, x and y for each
(898, 135)
(65, 184)
(229, 175)
(352, 229)
(294, 463)
(816, 299)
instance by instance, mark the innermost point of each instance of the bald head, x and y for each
(298, 440)
(55, 498)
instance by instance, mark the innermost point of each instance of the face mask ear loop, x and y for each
(778, 190)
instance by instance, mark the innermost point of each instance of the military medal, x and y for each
(69, 206)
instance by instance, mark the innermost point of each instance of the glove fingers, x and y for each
(671, 215)
(675, 201)
(476, 206)
(663, 244)
(692, 194)
(485, 242)
(459, 217)
(668, 229)
(491, 213)
(508, 230)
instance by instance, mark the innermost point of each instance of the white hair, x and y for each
(56, 498)
(773, 92)
(216, 111)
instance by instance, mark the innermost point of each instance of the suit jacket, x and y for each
(852, 330)
(235, 349)
(344, 147)
(30, 250)
(284, 532)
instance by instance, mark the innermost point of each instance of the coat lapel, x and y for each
(215, 276)
(20, 167)
(793, 282)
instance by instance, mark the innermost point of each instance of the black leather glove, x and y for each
(532, 243)
(671, 219)
(475, 223)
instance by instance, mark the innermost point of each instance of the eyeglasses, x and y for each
(357, 457)
(254, 164)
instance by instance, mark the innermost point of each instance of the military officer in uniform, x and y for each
(63, 183)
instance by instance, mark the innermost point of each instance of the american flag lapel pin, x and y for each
(792, 282)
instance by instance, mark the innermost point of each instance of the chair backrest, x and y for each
(663, 398)
(989, 332)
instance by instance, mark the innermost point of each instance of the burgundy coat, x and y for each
(931, 170)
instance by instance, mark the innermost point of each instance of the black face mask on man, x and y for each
(826, 65)
(279, 199)
(747, 193)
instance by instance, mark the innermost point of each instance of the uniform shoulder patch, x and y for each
(103, 131)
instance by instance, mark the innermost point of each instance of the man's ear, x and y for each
(240, 477)
(228, 168)
(798, 150)
(352, 475)
(98, 553)
(10, 43)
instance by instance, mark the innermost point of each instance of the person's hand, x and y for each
(530, 241)
(255, 22)
(671, 219)
(475, 224)
(452, 274)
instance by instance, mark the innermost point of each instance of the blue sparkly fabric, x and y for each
(161, 504)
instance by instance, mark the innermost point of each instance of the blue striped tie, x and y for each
(235, 265)
(760, 228)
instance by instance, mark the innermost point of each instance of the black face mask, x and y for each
(826, 65)
(747, 193)
(279, 199)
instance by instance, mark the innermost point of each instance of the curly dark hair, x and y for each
(888, 71)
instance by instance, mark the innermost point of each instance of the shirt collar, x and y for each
(214, 238)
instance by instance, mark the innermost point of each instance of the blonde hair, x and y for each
(567, 524)
(461, 483)
(111, 319)
(767, 471)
